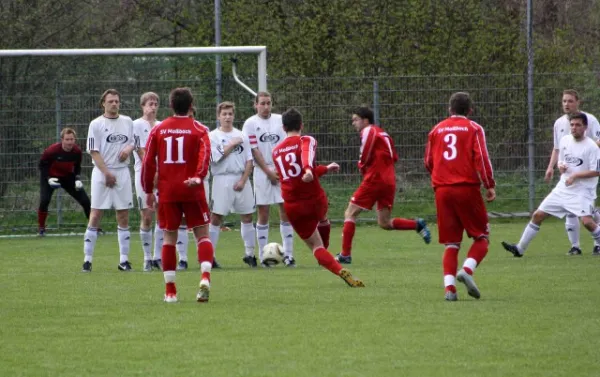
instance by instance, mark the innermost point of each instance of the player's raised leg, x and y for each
(324, 229)
(531, 230)
(385, 221)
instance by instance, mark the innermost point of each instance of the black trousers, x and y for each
(68, 184)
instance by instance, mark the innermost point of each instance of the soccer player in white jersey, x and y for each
(231, 165)
(110, 141)
(141, 129)
(264, 131)
(579, 164)
(570, 105)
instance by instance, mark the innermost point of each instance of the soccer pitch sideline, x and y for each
(538, 315)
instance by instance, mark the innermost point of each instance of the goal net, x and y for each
(43, 91)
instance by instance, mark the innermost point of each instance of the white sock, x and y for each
(596, 215)
(89, 243)
(449, 280)
(213, 232)
(529, 233)
(124, 237)
(470, 263)
(262, 235)
(146, 238)
(182, 243)
(287, 238)
(169, 276)
(247, 230)
(158, 242)
(596, 234)
(572, 225)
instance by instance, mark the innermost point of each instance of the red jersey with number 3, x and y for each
(377, 155)
(292, 157)
(179, 148)
(456, 154)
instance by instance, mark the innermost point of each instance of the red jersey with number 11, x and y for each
(181, 148)
(456, 154)
(292, 157)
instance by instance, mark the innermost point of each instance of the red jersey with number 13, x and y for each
(181, 147)
(456, 154)
(292, 157)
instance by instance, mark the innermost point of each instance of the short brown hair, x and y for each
(262, 94)
(67, 131)
(571, 92)
(107, 92)
(225, 105)
(461, 103)
(147, 97)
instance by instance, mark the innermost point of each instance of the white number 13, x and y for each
(295, 168)
(450, 140)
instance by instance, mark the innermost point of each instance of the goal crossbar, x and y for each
(261, 51)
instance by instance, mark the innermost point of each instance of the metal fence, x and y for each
(34, 109)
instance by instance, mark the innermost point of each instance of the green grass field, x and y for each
(538, 316)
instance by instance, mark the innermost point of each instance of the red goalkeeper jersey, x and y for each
(178, 148)
(456, 154)
(292, 157)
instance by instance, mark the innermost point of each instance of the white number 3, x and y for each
(450, 140)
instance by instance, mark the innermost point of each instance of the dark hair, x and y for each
(581, 116)
(107, 92)
(181, 100)
(292, 120)
(461, 103)
(365, 113)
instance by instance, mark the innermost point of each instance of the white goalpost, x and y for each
(261, 51)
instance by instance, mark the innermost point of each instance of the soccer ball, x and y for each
(272, 254)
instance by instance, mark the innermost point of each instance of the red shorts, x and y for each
(369, 193)
(305, 215)
(459, 209)
(169, 214)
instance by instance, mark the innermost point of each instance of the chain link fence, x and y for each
(34, 109)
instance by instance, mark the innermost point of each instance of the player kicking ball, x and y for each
(305, 201)
(574, 194)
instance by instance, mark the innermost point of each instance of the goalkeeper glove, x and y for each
(78, 185)
(53, 182)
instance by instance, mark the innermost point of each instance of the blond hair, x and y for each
(225, 105)
(67, 131)
(147, 97)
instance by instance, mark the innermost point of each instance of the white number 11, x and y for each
(169, 159)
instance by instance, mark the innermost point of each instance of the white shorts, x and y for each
(225, 199)
(118, 197)
(265, 192)
(559, 204)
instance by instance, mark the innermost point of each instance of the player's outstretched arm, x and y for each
(482, 160)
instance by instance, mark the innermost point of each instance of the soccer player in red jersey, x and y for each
(181, 148)
(304, 200)
(60, 166)
(456, 156)
(377, 165)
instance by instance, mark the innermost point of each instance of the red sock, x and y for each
(450, 261)
(404, 224)
(324, 229)
(347, 236)
(169, 258)
(450, 288)
(171, 289)
(478, 251)
(327, 260)
(42, 219)
(205, 254)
